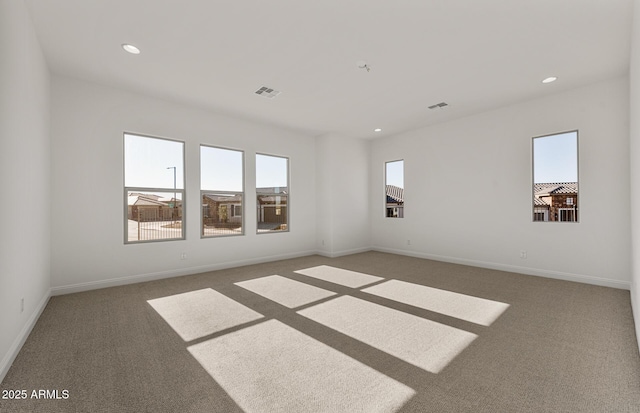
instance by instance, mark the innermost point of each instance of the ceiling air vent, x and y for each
(439, 105)
(267, 92)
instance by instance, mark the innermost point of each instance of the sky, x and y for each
(221, 169)
(555, 158)
(271, 171)
(147, 161)
(395, 173)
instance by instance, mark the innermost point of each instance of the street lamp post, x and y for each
(175, 201)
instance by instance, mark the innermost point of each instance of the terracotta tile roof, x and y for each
(143, 201)
(223, 198)
(148, 196)
(539, 202)
(395, 192)
(273, 190)
(554, 188)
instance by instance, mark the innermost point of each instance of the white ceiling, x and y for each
(474, 55)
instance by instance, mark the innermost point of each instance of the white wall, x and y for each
(88, 251)
(24, 179)
(342, 166)
(468, 189)
(634, 74)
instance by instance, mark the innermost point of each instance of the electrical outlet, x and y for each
(523, 254)
(183, 256)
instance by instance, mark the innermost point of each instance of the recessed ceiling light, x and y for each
(550, 79)
(377, 130)
(131, 48)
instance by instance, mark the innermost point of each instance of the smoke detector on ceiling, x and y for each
(363, 65)
(267, 92)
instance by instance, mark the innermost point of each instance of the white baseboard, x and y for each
(15, 348)
(114, 282)
(585, 279)
(132, 279)
(335, 254)
(635, 310)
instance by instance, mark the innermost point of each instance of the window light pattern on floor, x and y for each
(199, 313)
(285, 291)
(423, 343)
(465, 307)
(271, 367)
(340, 276)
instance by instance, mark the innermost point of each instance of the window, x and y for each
(566, 215)
(555, 177)
(272, 193)
(153, 189)
(221, 191)
(394, 189)
(540, 215)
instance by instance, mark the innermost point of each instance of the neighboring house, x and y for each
(272, 207)
(557, 201)
(148, 196)
(395, 201)
(221, 209)
(149, 207)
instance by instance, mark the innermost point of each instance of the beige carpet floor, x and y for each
(241, 340)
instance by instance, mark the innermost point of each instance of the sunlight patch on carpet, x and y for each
(465, 307)
(423, 343)
(285, 291)
(271, 367)
(199, 313)
(340, 276)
